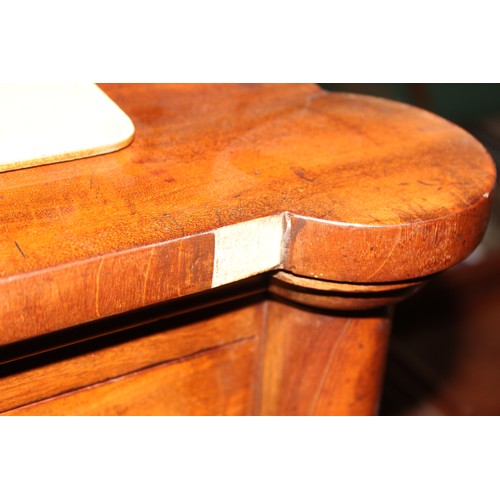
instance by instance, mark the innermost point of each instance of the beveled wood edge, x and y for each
(269, 242)
(235, 252)
(274, 243)
(337, 286)
(336, 296)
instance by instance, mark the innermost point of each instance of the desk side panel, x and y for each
(217, 382)
(122, 354)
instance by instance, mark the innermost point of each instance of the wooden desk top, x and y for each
(226, 181)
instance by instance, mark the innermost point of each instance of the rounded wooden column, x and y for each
(326, 345)
(341, 296)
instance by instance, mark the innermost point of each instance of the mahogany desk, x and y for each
(241, 256)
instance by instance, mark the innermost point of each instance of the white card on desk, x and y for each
(48, 123)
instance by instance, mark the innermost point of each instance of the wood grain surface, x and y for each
(339, 187)
(216, 382)
(340, 296)
(124, 353)
(316, 363)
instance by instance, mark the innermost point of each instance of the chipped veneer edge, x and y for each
(249, 248)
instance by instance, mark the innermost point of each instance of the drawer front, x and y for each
(138, 371)
(216, 382)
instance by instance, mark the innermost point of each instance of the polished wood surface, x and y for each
(339, 205)
(317, 363)
(217, 382)
(114, 356)
(340, 296)
(363, 190)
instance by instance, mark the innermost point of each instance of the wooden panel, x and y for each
(38, 303)
(368, 190)
(322, 364)
(391, 253)
(87, 363)
(217, 382)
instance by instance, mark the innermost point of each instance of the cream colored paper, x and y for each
(48, 123)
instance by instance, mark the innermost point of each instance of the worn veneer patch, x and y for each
(47, 123)
(247, 248)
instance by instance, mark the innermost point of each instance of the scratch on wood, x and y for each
(386, 258)
(299, 172)
(357, 129)
(172, 218)
(327, 367)
(309, 99)
(97, 187)
(146, 274)
(237, 211)
(19, 248)
(216, 212)
(98, 279)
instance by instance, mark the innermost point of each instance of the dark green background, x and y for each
(455, 101)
